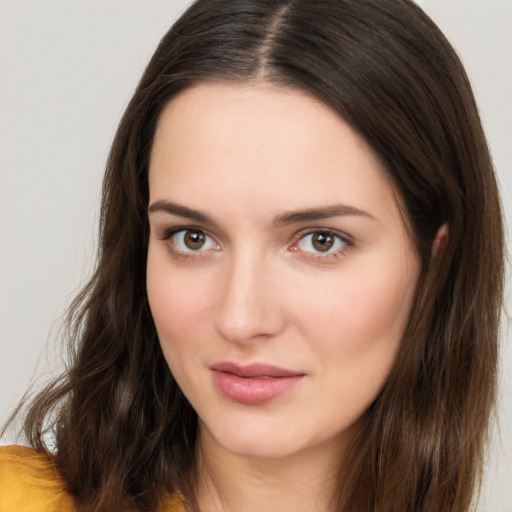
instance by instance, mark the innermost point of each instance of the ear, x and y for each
(440, 241)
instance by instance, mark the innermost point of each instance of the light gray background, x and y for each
(67, 70)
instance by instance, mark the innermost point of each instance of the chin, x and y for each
(254, 439)
(263, 450)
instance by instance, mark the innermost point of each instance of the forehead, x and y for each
(262, 147)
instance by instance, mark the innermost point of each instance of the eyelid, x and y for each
(168, 234)
(346, 239)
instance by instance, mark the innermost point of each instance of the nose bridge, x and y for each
(246, 307)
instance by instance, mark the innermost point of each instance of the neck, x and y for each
(304, 481)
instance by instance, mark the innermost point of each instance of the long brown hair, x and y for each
(125, 434)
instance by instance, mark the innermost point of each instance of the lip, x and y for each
(253, 384)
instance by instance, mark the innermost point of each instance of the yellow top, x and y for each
(30, 482)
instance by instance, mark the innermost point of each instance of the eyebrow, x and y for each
(324, 212)
(281, 220)
(181, 211)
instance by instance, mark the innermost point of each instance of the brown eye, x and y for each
(194, 240)
(322, 241)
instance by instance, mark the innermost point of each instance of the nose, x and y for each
(247, 308)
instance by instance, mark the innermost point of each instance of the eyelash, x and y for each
(170, 233)
(340, 237)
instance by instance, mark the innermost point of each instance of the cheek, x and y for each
(356, 321)
(374, 295)
(178, 303)
(354, 332)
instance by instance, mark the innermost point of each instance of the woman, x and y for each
(298, 292)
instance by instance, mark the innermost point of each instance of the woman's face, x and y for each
(280, 273)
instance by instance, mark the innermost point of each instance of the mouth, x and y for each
(253, 384)
(254, 371)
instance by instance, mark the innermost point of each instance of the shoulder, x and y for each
(173, 503)
(30, 481)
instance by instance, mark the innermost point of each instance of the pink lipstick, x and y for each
(253, 384)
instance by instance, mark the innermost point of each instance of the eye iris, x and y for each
(194, 239)
(323, 241)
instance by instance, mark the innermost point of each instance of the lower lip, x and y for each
(253, 391)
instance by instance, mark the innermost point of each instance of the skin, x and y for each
(258, 290)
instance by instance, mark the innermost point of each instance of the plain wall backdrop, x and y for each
(67, 71)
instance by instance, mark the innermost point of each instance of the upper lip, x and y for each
(254, 370)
